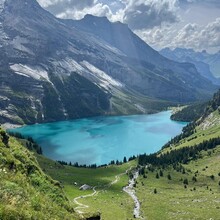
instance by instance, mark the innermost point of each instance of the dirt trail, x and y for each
(83, 206)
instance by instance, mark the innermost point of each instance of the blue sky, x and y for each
(161, 23)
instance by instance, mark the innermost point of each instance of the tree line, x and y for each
(182, 155)
(94, 166)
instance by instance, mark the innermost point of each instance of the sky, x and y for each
(160, 23)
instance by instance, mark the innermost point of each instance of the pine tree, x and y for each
(125, 160)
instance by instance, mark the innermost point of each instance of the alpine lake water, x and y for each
(99, 140)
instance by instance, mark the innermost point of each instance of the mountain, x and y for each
(53, 69)
(118, 35)
(207, 64)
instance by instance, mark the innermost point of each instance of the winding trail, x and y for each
(83, 206)
(131, 192)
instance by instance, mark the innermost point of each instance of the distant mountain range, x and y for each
(53, 69)
(207, 64)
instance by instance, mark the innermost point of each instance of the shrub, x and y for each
(185, 181)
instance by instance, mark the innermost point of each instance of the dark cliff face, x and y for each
(53, 69)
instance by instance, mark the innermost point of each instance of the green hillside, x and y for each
(109, 199)
(25, 191)
(182, 181)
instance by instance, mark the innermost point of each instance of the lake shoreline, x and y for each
(106, 138)
(8, 125)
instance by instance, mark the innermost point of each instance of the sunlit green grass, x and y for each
(25, 191)
(200, 200)
(110, 201)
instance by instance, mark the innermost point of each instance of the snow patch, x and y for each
(30, 71)
(68, 65)
(104, 79)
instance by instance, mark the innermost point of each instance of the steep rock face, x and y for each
(53, 69)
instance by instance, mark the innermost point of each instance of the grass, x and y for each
(200, 200)
(25, 191)
(211, 131)
(110, 201)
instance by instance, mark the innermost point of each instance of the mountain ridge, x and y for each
(207, 64)
(56, 58)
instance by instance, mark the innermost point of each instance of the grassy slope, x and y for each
(127, 102)
(210, 128)
(111, 201)
(173, 201)
(25, 191)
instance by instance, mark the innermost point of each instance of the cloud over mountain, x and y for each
(147, 14)
(189, 36)
(75, 9)
(159, 22)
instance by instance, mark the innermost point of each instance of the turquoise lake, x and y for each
(102, 139)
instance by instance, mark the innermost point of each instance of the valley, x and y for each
(165, 190)
(95, 123)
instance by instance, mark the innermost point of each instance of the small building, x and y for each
(85, 187)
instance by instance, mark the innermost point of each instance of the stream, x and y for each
(130, 190)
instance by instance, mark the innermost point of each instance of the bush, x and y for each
(185, 181)
(212, 177)
(194, 179)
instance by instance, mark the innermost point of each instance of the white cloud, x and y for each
(140, 14)
(97, 10)
(160, 23)
(137, 14)
(75, 9)
(190, 36)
